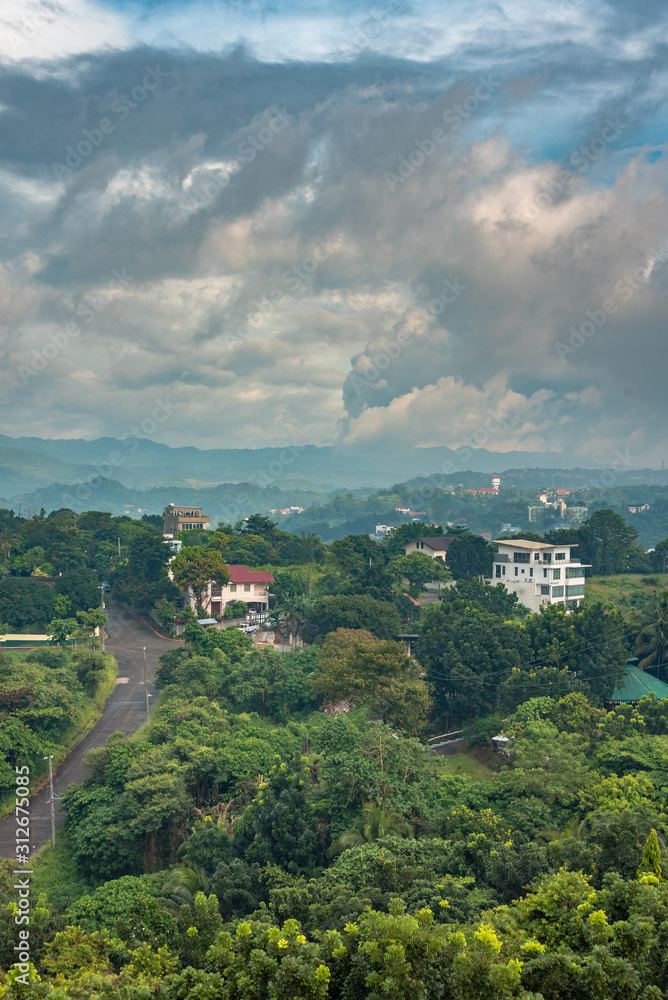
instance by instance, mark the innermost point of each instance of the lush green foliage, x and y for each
(250, 842)
(44, 697)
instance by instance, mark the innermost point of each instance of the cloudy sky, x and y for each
(377, 226)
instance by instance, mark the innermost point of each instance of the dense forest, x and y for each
(282, 829)
(283, 826)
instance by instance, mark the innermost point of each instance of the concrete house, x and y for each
(177, 519)
(248, 585)
(539, 573)
(435, 548)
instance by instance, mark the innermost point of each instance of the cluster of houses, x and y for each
(539, 573)
(247, 585)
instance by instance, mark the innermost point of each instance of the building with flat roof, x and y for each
(175, 519)
(540, 574)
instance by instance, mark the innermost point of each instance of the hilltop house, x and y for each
(177, 519)
(435, 548)
(539, 573)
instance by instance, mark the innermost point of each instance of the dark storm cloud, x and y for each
(381, 249)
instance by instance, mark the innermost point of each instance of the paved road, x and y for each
(125, 710)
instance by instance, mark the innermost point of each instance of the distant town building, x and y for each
(539, 573)
(496, 482)
(382, 530)
(636, 508)
(576, 515)
(177, 519)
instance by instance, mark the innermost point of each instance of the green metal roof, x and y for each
(636, 684)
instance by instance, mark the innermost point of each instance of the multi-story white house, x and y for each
(539, 573)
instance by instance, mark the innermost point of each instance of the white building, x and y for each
(435, 548)
(539, 573)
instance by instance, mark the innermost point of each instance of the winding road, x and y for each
(125, 711)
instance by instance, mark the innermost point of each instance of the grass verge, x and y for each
(82, 725)
(56, 875)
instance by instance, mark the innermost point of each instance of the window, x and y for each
(544, 590)
(558, 591)
(531, 571)
(498, 571)
(547, 557)
(233, 588)
(503, 570)
(574, 571)
(516, 571)
(536, 557)
(556, 574)
(545, 573)
(559, 556)
(575, 590)
(246, 587)
(216, 590)
(521, 557)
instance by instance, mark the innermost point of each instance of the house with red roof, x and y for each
(248, 585)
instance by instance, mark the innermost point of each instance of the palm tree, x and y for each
(183, 885)
(7, 543)
(651, 646)
(375, 823)
(575, 829)
(296, 611)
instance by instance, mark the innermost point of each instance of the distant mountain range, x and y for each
(138, 473)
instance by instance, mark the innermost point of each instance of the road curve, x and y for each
(125, 711)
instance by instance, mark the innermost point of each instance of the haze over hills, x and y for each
(130, 476)
(29, 463)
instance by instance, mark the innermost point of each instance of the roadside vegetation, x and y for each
(282, 827)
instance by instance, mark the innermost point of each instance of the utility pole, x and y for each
(102, 626)
(119, 547)
(146, 685)
(52, 800)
